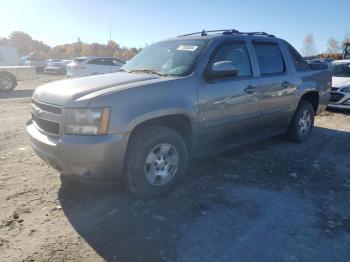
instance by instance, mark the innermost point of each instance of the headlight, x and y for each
(345, 89)
(87, 121)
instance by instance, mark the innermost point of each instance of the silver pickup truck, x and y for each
(191, 95)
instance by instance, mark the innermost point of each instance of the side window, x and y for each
(269, 58)
(96, 61)
(105, 61)
(237, 54)
(299, 62)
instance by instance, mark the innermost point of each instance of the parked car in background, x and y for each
(33, 59)
(317, 60)
(328, 61)
(83, 66)
(66, 61)
(57, 68)
(39, 65)
(340, 93)
(50, 61)
(187, 96)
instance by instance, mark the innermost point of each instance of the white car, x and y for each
(9, 75)
(340, 93)
(83, 66)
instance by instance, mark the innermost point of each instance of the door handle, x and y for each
(286, 84)
(250, 89)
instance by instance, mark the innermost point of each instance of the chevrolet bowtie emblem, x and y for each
(38, 112)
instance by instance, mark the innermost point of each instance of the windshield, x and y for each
(174, 57)
(340, 70)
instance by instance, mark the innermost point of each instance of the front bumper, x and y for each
(98, 157)
(338, 106)
(340, 100)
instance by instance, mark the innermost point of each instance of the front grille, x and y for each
(48, 108)
(335, 97)
(46, 125)
(47, 117)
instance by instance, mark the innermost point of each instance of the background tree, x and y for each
(334, 46)
(26, 45)
(309, 47)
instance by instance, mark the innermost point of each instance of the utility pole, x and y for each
(110, 31)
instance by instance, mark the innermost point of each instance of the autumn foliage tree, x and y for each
(309, 46)
(25, 45)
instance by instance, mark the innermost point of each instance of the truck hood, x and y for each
(340, 81)
(71, 92)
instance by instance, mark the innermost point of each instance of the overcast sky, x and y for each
(135, 23)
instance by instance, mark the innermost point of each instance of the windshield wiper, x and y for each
(148, 70)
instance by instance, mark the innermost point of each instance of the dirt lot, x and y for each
(271, 201)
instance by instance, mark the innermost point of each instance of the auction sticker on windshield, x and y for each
(190, 48)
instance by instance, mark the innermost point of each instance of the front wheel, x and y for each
(7, 82)
(302, 123)
(156, 161)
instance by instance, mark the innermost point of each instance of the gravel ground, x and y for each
(270, 201)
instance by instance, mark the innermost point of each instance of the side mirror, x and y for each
(222, 69)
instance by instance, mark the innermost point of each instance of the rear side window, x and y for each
(97, 61)
(237, 54)
(102, 61)
(269, 58)
(298, 61)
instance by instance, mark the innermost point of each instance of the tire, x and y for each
(7, 82)
(302, 123)
(156, 161)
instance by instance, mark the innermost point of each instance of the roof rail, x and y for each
(228, 32)
(205, 33)
(258, 33)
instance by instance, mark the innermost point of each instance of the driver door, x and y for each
(229, 106)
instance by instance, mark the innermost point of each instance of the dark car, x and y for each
(57, 68)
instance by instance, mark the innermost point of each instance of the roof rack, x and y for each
(258, 33)
(228, 32)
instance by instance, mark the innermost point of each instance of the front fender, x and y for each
(132, 106)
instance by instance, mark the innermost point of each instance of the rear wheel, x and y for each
(7, 82)
(156, 161)
(302, 123)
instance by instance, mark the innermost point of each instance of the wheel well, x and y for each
(180, 123)
(9, 74)
(313, 97)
